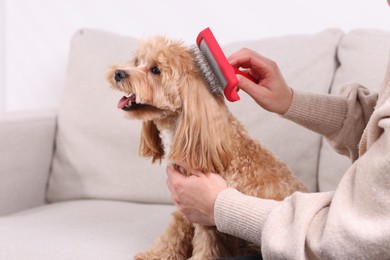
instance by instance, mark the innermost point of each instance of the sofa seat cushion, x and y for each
(85, 229)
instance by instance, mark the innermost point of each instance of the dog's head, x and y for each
(164, 88)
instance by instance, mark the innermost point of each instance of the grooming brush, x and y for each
(214, 66)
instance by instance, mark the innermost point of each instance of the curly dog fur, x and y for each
(184, 122)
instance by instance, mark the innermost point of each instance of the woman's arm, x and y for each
(341, 119)
(352, 222)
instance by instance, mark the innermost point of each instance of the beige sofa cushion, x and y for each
(363, 56)
(26, 149)
(96, 152)
(82, 229)
(307, 62)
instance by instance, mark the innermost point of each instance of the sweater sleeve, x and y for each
(350, 223)
(341, 119)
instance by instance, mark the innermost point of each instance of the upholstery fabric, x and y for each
(26, 149)
(362, 55)
(96, 152)
(307, 62)
(83, 229)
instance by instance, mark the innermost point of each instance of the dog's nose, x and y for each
(119, 75)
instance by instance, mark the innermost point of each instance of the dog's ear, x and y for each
(201, 138)
(151, 145)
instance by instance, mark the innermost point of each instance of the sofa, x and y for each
(72, 184)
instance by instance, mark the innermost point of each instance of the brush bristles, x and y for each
(204, 67)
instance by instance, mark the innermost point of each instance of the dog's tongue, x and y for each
(125, 101)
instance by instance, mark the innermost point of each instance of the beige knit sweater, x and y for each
(352, 222)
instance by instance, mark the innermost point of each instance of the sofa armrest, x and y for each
(26, 149)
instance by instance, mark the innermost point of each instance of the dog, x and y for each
(184, 122)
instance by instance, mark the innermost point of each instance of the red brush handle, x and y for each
(230, 91)
(229, 72)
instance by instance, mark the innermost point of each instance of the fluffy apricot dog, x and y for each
(184, 122)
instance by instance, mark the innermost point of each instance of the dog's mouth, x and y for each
(128, 103)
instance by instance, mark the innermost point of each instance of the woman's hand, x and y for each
(271, 90)
(195, 195)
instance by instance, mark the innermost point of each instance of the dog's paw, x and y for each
(145, 256)
(157, 256)
(150, 256)
(202, 257)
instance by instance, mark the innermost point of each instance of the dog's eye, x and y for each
(155, 70)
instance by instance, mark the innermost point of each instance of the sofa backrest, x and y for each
(307, 62)
(96, 153)
(363, 55)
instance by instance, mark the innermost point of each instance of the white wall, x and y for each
(2, 58)
(34, 42)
